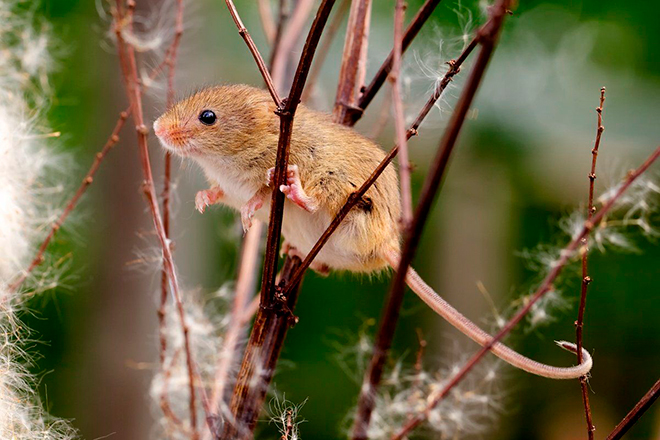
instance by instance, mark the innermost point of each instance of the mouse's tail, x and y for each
(471, 330)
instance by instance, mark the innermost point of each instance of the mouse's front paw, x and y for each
(207, 197)
(248, 210)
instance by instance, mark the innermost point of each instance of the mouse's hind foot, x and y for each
(319, 268)
(293, 188)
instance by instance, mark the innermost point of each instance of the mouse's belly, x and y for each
(302, 229)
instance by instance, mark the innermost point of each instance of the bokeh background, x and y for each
(521, 165)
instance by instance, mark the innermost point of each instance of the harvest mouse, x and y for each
(232, 133)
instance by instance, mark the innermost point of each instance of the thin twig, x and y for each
(636, 413)
(130, 76)
(411, 32)
(545, 286)
(243, 32)
(586, 279)
(399, 118)
(487, 38)
(353, 60)
(353, 199)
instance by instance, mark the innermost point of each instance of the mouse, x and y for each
(231, 131)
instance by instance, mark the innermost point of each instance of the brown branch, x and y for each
(324, 49)
(353, 199)
(275, 313)
(243, 32)
(353, 60)
(259, 361)
(130, 76)
(546, 286)
(366, 402)
(636, 413)
(411, 32)
(586, 279)
(399, 118)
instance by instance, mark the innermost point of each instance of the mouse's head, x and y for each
(216, 120)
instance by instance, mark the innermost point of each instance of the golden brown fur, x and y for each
(333, 162)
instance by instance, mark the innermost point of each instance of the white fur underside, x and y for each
(300, 228)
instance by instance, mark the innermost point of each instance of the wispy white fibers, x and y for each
(25, 207)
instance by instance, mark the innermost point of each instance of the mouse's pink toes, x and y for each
(291, 175)
(246, 217)
(207, 197)
(248, 210)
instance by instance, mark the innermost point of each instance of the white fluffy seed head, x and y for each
(27, 205)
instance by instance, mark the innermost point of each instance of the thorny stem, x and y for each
(353, 199)
(487, 38)
(411, 32)
(130, 76)
(399, 118)
(324, 49)
(586, 279)
(546, 286)
(353, 60)
(274, 316)
(243, 32)
(636, 413)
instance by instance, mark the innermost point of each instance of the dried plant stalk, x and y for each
(586, 279)
(353, 59)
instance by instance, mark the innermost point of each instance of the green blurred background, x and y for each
(520, 166)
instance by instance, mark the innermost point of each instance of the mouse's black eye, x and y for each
(207, 117)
